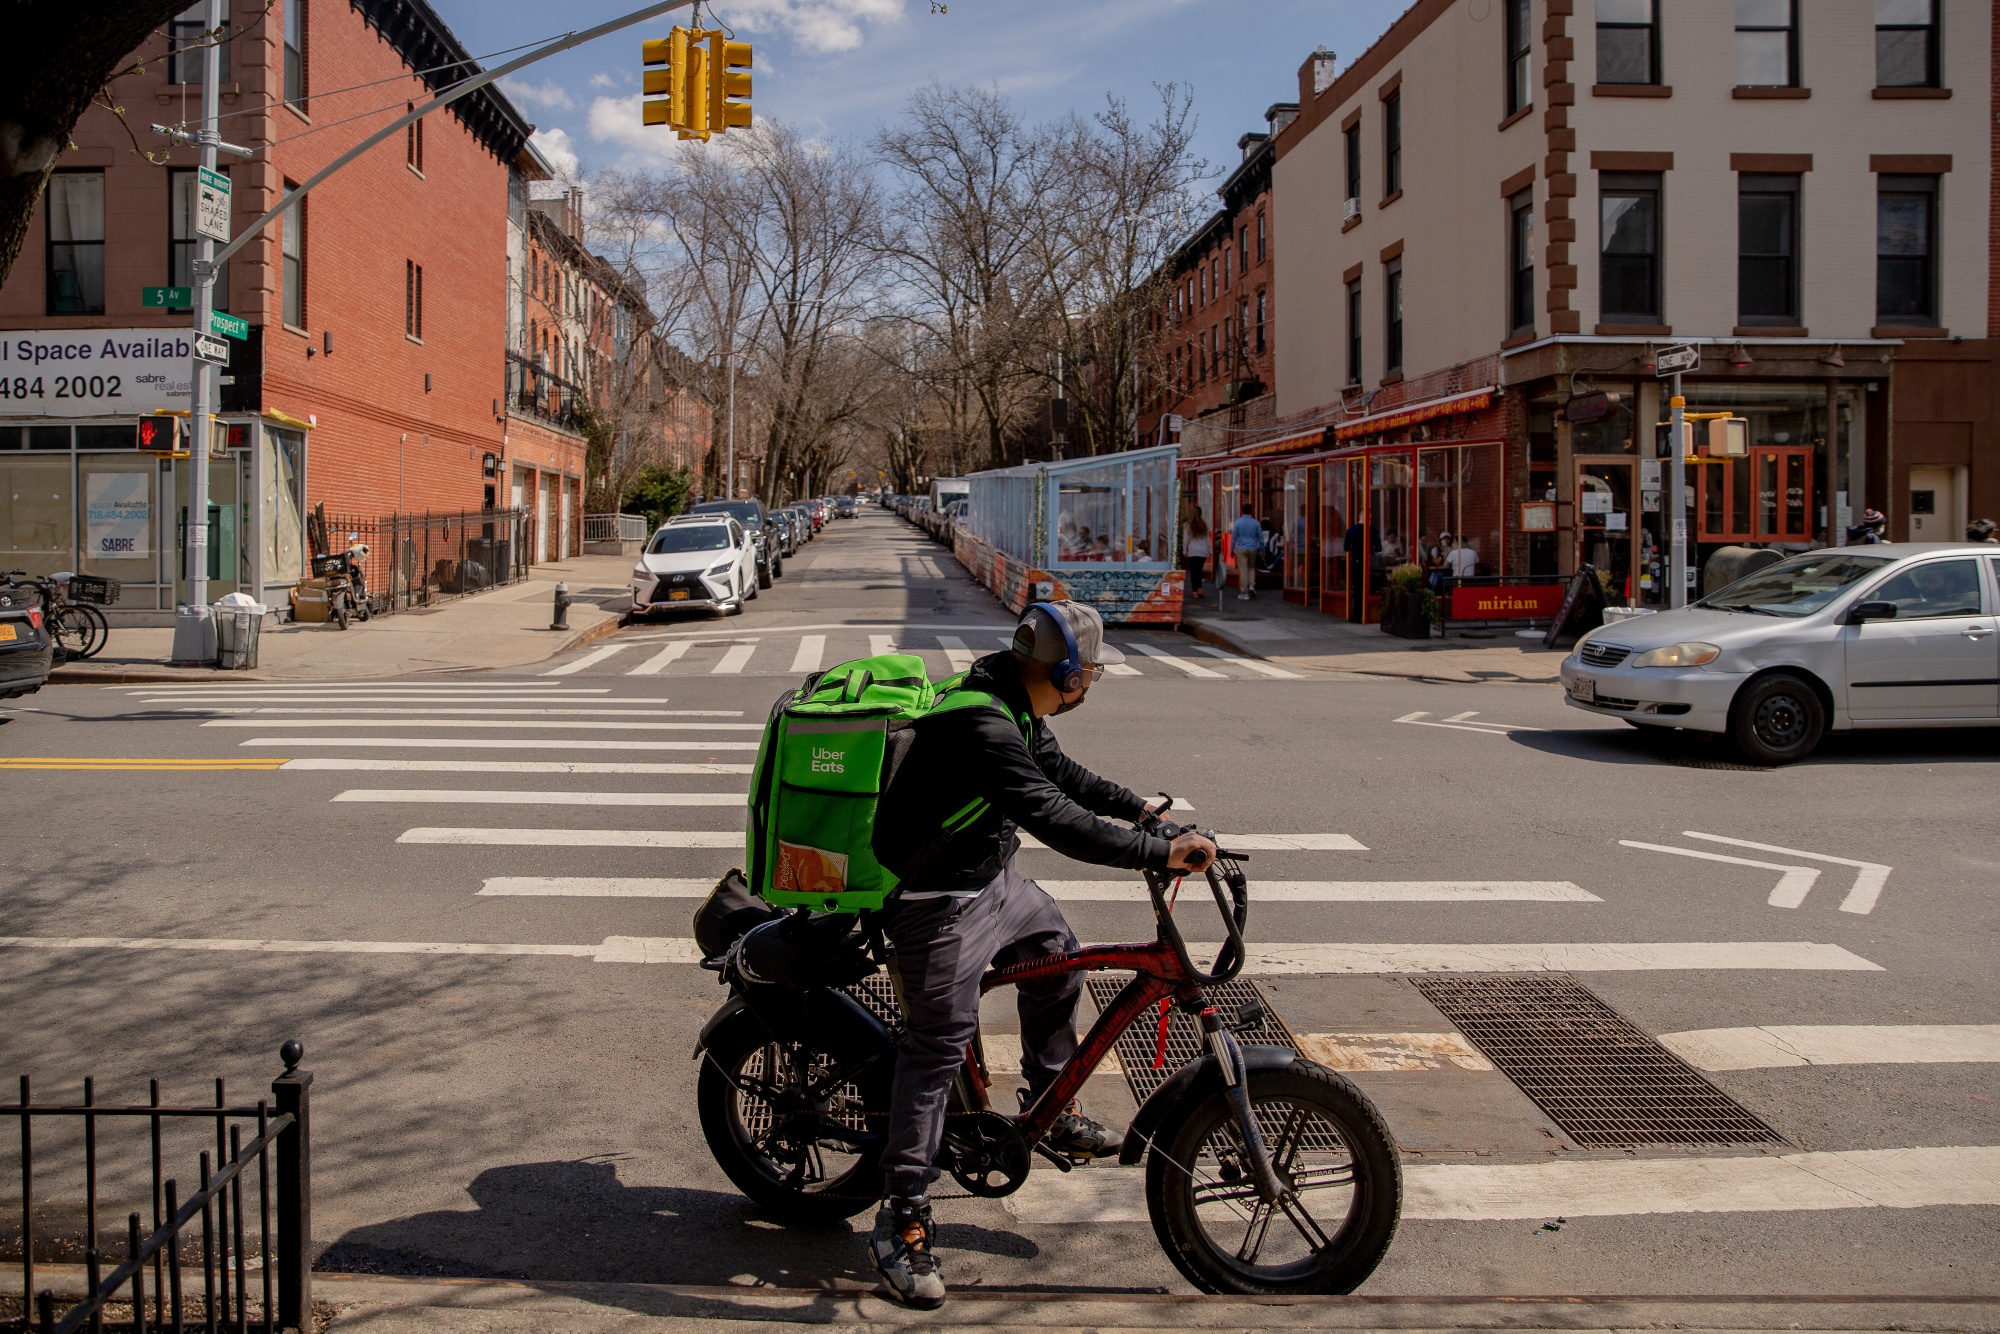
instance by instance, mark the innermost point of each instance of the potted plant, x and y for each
(1409, 609)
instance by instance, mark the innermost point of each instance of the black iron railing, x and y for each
(152, 1270)
(542, 393)
(418, 560)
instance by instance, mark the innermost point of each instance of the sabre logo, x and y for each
(828, 761)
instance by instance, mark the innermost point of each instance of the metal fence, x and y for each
(231, 1233)
(418, 560)
(534, 389)
(615, 527)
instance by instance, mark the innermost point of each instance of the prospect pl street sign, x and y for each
(229, 325)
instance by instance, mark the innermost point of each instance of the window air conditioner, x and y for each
(1352, 211)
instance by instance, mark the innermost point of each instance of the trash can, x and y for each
(238, 626)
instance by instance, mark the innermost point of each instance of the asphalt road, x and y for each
(526, 1107)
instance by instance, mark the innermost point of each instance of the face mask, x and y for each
(1069, 704)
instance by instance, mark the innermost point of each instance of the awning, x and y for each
(1452, 405)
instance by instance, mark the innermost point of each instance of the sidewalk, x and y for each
(1285, 633)
(505, 627)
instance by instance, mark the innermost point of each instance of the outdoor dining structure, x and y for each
(1100, 530)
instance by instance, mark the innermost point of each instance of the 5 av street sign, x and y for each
(176, 297)
(1677, 359)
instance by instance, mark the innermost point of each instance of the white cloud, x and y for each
(554, 145)
(617, 120)
(550, 94)
(818, 26)
(602, 80)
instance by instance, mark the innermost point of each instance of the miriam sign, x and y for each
(94, 372)
(1525, 602)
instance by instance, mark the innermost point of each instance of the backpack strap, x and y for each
(952, 695)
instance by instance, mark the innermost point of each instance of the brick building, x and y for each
(373, 373)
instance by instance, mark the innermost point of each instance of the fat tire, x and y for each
(1355, 1250)
(729, 1049)
(1777, 719)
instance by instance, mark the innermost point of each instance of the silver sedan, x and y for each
(1841, 638)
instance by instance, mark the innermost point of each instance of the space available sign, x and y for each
(118, 514)
(94, 372)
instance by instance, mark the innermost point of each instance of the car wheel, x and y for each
(777, 569)
(1777, 720)
(764, 578)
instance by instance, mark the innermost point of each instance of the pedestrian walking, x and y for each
(1196, 547)
(1246, 536)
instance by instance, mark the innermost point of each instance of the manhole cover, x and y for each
(1604, 1082)
(1703, 762)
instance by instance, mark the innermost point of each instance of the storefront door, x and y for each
(227, 486)
(1302, 536)
(1605, 524)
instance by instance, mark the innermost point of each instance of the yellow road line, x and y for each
(261, 763)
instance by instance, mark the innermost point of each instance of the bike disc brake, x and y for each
(986, 1154)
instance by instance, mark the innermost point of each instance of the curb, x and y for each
(1209, 634)
(583, 638)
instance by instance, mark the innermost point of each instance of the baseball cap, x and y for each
(1038, 637)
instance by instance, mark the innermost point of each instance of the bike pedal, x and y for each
(1062, 1161)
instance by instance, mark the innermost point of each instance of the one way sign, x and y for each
(214, 351)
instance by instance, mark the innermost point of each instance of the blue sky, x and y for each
(840, 68)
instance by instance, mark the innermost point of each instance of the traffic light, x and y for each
(724, 58)
(691, 93)
(160, 433)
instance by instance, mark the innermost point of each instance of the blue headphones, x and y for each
(1066, 673)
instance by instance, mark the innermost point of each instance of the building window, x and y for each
(1392, 322)
(1263, 314)
(181, 238)
(295, 53)
(413, 299)
(1628, 41)
(1260, 236)
(1521, 262)
(187, 45)
(76, 243)
(1353, 139)
(1906, 250)
(1354, 332)
(1243, 250)
(1204, 287)
(1767, 247)
(1392, 143)
(1520, 42)
(1906, 44)
(292, 246)
(1767, 45)
(1629, 267)
(413, 141)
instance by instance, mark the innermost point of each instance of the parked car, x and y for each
(751, 514)
(803, 517)
(845, 507)
(1832, 640)
(26, 652)
(817, 508)
(790, 539)
(696, 561)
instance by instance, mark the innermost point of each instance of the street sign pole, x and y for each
(1677, 564)
(194, 626)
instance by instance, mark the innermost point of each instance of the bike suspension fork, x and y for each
(1236, 1087)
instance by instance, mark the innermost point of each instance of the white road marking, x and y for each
(812, 648)
(1264, 842)
(590, 659)
(1777, 1045)
(1121, 669)
(489, 743)
(486, 797)
(577, 838)
(1003, 1055)
(508, 767)
(1869, 879)
(1848, 1179)
(1560, 957)
(1257, 665)
(294, 687)
(1194, 669)
(671, 653)
(368, 714)
(955, 652)
(1418, 718)
(482, 723)
(1793, 885)
(881, 645)
(1349, 1052)
(1352, 891)
(222, 700)
(594, 887)
(735, 660)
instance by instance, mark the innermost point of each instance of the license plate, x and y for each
(678, 595)
(1583, 688)
(7, 631)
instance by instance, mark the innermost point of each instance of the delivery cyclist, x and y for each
(962, 906)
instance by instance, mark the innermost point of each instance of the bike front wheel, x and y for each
(99, 629)
(1325, 1140)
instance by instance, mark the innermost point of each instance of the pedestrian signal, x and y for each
(160, 433)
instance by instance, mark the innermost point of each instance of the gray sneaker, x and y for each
(900, 1248)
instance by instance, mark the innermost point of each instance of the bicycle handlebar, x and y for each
(1222, 874)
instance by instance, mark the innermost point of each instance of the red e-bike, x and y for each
(1264, 1172)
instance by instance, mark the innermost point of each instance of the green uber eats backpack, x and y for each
(829, 751)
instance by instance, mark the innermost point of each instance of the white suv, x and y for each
(701, 560)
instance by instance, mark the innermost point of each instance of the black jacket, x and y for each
(971, 754)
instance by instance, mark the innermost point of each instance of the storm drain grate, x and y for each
(1138, 1044)
(1604, 1082)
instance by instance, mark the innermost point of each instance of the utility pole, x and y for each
(1677, 555)
(732, 416)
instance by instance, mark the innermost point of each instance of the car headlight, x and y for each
(641, 572)
(1689, 654)
(721, 568)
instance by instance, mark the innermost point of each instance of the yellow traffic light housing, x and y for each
(691, 76)
(691, 102)
(724, 83)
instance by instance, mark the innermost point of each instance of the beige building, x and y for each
(1489, 222)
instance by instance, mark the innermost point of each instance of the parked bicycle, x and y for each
(70, 612)
(1265, 1172)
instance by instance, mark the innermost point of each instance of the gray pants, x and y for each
(942, 947)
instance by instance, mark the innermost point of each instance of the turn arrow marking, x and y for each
(1793, 886)
(1869, 877)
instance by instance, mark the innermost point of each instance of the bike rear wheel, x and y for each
(99, 628)
(1325, 1140)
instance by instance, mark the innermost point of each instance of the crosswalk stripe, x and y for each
(369, 715)
(1355, 891)
(735, 660)
(146, 765)
(593, 887)
(590, 659)
(1121, 669)
(1256, 665)
(671, 653)
(1379, 1052)
(1559, 957)
(495, 797)
(811, 649)
(1265, 842)
(1779, 1045)
(483, 723)
(331, 764)
(955, 652)
(489, 743)
(577, 838)
(230, 698)
(879, 645)
(1194, 669)
(370, 687)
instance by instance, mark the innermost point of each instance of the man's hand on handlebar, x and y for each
(1190, 852)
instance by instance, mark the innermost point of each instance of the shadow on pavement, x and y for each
(1708, 750)
(577, 1222)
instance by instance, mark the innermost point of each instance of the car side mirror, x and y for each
(1871, 611)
